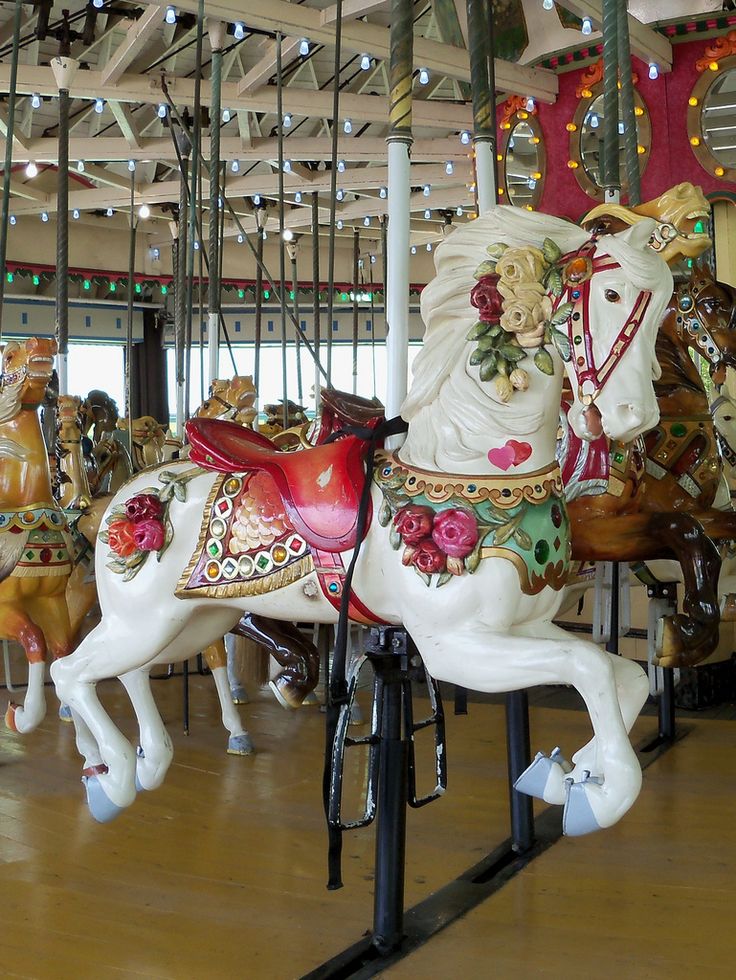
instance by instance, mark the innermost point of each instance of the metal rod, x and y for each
(333, 187)
(4, 215)
(180, 294)
(62, 243)
(295, 307)
(399, 142)
(213, 335)
(631, 140)
(129, 325)
(258, 327)
(667, 726)
(480, 34)
(613, 624)
(610, 169)
(517, 743)
(282, 244)
(356, 266)
(193, 195)
(316, 298)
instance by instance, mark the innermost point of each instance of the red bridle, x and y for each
(591, 378)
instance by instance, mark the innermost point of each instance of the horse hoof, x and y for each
(239, 694)
(100, 805)
(285, 697)
(240, 745)
(65, 712)
(728, 608)
(311, 700)
(578, 817)
(536, 778)
(10, 717)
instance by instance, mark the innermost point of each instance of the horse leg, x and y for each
(686, 639)
(298, 657)
(237, 687)
(52, 614)
(540, 653)
(19, 627)
(155, 750)
(239, 742)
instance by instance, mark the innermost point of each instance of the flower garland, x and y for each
(142, 525)
(516, 312)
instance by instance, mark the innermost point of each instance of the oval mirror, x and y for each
(523, 163)
(712, 120)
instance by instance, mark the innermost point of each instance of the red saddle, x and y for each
(320, 487)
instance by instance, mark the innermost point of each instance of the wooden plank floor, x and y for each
(220, 874)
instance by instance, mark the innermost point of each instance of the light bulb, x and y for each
(548, 4)
(162, 110)
(288, 235)
(341, 166)
(287, 166)
(109, 212)
(36, 100)
(155, 253)
(31, 169)
(383, 193)
(13, 219)
(587, 27)
(594, 120)
(264, 234)
(235, 166)
(240, 239)
(304, 47)
(413, 250)
(98, 4)
(427, 190)
(226, 116)
(80, 166)
(131, 166)
(653, 71)
(256, 199)
(196, 245)
(170, 16)
(339, 224)
(144, 211)
(44, 216)
(340, 194)
(75, 214)
(298, 197)
(287, 120)
(465, 137)
(365, 62)
(366, 221)
(424, 76)
(459, 212)
(347, 126)
(530, 104)
(373, 260)
(99, 105)
(620, 129)
(427, 214)
(449, 168)
(239, 30)
(429, 246)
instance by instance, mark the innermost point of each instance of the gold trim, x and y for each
(555, 574)
(203, 533)
(533, 123)
(278, 579)
(702, 152)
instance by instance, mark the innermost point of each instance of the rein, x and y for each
(337, 688)
(688, 319)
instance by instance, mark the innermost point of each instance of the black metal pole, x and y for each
(258, 321)
(519, 753)
(356, 264)
(9, 152)
(316, 297)
(614, 619)
(282, 252)
(295, 308)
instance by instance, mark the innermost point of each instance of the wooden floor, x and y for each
(220, 874)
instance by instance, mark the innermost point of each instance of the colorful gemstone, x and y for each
(556, 515)
(231, 486)
(678, 429)
(262, 562)
(212, 571)
(618, 457)
(333, 587)
(279, 553)
(541, 552)
(218, 528)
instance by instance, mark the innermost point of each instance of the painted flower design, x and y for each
(259, 518)
(149, 534)
(121, 537)
(414, 523)
(428, 557)
(455, 532)
(523, 264)
(143, 507)
(486, 298)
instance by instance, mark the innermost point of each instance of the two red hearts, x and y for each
(511, 454)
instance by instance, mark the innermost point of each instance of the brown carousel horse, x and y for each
(35, 544)
(652, 499)
(231, 399)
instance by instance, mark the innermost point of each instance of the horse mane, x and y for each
(10, 403)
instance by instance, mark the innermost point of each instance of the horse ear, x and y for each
(122, 424)
(639, 233)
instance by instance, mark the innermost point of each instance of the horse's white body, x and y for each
(479, 630)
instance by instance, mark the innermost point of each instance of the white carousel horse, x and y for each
(478, 592)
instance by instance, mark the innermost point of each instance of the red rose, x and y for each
(120, 538)
(486, 298)
(142, 507)
(149, 535)
(428, 558)
(455, 532)
(414, 523)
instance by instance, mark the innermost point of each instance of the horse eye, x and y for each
(728, 418)
(612, 296)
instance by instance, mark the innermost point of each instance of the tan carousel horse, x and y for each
(36, 552)
(230, 399)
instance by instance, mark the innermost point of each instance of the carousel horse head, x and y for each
(27, 367)
(230, 399)
(99, 413)
(69, 410)
(703, 312)
(529, 289)
(681, 214)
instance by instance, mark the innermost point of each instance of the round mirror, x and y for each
(523, 162)
(711, 121)
(586, 141)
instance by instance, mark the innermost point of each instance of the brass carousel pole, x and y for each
(480, 26)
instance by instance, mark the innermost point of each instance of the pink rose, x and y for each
(149, 535)
(142, 507)
(486, 298)
(455, 532)
(414, 523)
(428, 558)
(121, 538)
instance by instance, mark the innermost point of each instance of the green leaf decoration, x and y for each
(562, 343)
(488, 343)
(394, 538)
(443, 579)
(547, 337)
(477, 330)
(522, 539)
(495, 330)
(104, 536)
(512, 353)
(180, 492)
(473, 560)
(423, 576)
(167, 493)
(502, 366)
(551, 251)
(478, 356)
(486, 268)
(553, 282)
(384, 513)
(543, 361)
(562, 314)
(488, 367)
(496, 250)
